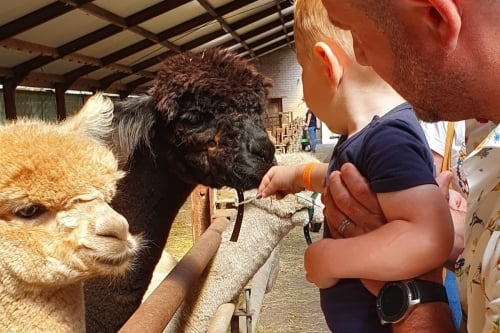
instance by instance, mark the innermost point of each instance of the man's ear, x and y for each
(330, 61)
(443, 17)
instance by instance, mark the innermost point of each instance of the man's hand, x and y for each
(348, 195)
(351, 209)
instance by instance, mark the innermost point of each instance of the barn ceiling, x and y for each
(116, 46)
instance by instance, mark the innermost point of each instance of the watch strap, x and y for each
(428, 291)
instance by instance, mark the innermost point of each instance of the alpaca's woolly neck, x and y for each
(58, 310)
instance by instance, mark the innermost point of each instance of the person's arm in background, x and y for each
(308, 119)
(437, 138)
(458, 208)
(348, 195)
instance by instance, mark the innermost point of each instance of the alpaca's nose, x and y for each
(112, 224)
(263, 147)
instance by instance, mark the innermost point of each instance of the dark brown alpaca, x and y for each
(201, 124)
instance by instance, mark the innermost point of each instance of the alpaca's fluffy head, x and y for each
(56, 180)
(213, 77)
(213, 104)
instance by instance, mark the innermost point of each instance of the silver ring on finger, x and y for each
(343, 225)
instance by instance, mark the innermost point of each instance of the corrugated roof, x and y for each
(116, 46)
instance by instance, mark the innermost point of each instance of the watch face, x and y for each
(392, 302)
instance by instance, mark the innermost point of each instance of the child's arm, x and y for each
(417, 239)
(282, 180)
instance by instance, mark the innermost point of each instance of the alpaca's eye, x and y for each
(191, 119)
(212, 144)
(30, 212)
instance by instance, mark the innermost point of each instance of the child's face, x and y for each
(316, 88)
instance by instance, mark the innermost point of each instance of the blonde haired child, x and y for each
(382, 137)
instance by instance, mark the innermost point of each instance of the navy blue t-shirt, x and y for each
(393, 154)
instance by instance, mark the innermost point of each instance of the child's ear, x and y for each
(330, 61)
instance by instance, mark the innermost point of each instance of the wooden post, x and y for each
(200, 210)
(60, 102)
(9, 98)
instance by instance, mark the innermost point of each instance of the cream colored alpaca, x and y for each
(56, 226)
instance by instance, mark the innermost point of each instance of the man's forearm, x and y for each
(427, 318)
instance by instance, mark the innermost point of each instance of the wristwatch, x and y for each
(396, 299)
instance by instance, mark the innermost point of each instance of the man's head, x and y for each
(441, 55)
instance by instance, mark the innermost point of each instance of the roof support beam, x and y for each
(202, 19)
(122, 22)
(260, 30)
(273, 47)
(166, 34)
(224, 24)
(117, 25)
(280, 13)
(35, 18)
(267, 39)
(258, 16)
(266, 27)
(108, 80)
(26, 73)
(23, 69)
(153, 11)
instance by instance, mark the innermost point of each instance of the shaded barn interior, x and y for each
(116, 46)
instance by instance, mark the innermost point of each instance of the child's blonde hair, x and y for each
(312, 25)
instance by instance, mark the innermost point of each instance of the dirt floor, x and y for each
(292, 306)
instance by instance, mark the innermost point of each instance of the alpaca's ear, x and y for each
(94, 118)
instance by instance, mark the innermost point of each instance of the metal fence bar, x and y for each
(156, 311)
(222, 318)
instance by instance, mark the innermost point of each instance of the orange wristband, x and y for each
(306, 175)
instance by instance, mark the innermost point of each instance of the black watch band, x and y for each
(396, 299)
(428, 291)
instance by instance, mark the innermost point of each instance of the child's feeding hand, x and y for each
(279, 181)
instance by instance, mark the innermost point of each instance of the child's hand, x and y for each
(457, 201)
(315, 263)
(280, 181)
